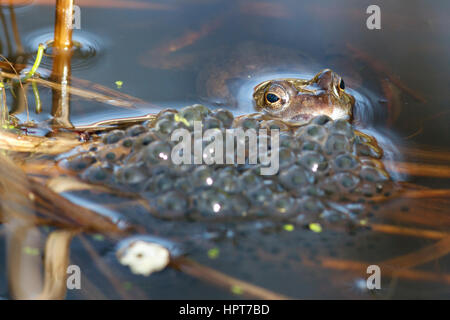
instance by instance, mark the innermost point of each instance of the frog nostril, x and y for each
(272, 98)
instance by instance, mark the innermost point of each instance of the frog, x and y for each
(299, 100)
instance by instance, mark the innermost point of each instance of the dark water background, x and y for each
(413, 44)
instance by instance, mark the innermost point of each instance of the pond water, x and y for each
(176, 53)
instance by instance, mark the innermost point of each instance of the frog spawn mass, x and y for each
(327, 171)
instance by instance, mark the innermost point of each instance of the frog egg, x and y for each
(372, 174)
(249, 123)
(79, 163)
(347, 180)
(310, 205)
(272, 184)
(165, 126)
(171, 205)
(184, 169)
(96, 174)
(194, 113)
(330, 186)
(260, 196)
(250, 179)
(158, 184)
(228, 181)
(131, 174)
(113, 136)
(313, 190)
(211, 204)
(127, 142)
(321, 120)
(309, 145)
(204, 111)
(336, 144)
(135, 130)
(343, 127)
(368, 189)
(144, 140)
(225, 116)
(183, 184)
(288, 141)
(312, 132)
(240, 205)
(286, 157)
(212, 123)
(112, 155)
(368, 150)
(315, 162)
(167, 115)
(346, 162)
(295, 177)
(203, 177)
(190, 115)
(157, 153)
(284, 205)
(332, 216)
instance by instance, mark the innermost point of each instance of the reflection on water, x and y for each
(215, 52)
(88, 49)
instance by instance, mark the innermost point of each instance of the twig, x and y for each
(209, 275)
(405, 231)
(357, 266)
(420, 169)
(421, 256)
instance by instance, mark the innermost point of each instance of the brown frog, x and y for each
(300, 100)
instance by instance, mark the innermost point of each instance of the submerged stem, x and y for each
(36, 64)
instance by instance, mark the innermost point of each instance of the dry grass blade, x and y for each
(57, 253)
(22, 196)
(22, 143)
(90, 95)
(420, 169)
(424, 153)
(421, 256)
(111, 123)
(54, 206)
(412, 232)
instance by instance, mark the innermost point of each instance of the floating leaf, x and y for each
(237, 290)
(119, 84)
(213, 253)
(315, 227)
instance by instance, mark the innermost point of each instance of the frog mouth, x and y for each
(301, 117)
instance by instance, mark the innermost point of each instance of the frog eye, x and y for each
(342, 84)
(272, 97)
